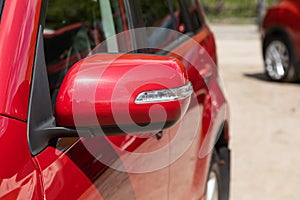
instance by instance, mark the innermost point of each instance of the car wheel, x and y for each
(213, 185)
(279, 59)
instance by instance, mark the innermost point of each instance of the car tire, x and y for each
(218, 179)
(213, 183)
(279, 59)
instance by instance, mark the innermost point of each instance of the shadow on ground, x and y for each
(258, 76)
(263, 77)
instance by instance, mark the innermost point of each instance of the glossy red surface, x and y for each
(72, 168)
(18, 30)
(286, 16)
(19, 175)
(114, 184)
(64, 173)
(197, 155)
(115, 81)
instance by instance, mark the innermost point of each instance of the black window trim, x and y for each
(193, 27)
(186, 16)
(2, 2)
(41, 124)
(172, 13)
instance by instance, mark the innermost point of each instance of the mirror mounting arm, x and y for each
(41, 126)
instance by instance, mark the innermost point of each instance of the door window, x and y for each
(158, 14)
(193, 8)
(74, 29)
(182, 16)
(159, 17)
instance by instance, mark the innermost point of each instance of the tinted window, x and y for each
(73, 29)
(161, 14)
(194, 13)
(158, 13)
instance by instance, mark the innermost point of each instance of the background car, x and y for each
(93, 107)
(281, 41)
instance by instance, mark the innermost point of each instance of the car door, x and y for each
(93, 168)
(191, 141)
(90, 168)
(19, 174)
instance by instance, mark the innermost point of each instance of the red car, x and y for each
(281, 41)
(110, 99)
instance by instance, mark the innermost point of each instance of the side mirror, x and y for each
(120, 93)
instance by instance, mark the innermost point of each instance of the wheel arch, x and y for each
(278, 31)
(223, 136)
(223, 153)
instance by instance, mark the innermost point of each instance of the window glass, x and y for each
(158, 13)
(161, 14)
(73, 29)
(194, 12)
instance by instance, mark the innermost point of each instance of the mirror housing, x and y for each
(120, 93)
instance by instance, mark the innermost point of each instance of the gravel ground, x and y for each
(265, 120)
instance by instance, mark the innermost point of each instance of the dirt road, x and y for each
(265, 120)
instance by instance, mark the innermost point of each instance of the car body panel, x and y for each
(62, 178)
(197, 155)
(284, 17)
(19, 175)
(170, 164)
(18, 34)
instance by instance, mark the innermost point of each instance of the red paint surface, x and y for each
(286, 16)
(19, 175)
(76, 172)
(18, 31)
(114, 82)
